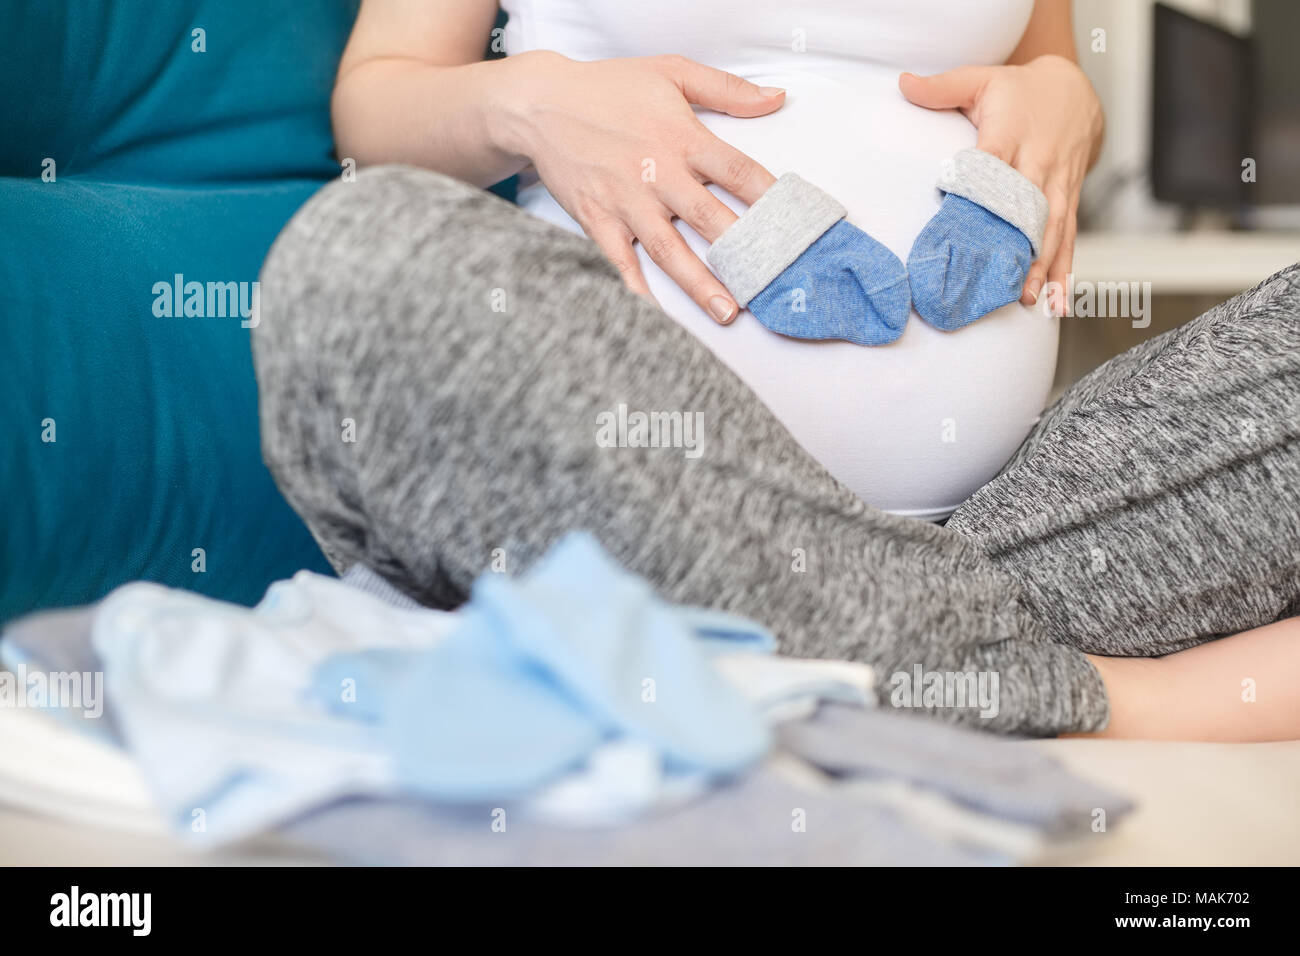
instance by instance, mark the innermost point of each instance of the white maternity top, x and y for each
(912, 427)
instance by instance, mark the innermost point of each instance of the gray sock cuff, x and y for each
(984, 179)
(772, 234)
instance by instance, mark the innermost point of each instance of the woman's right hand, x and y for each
(619, 147)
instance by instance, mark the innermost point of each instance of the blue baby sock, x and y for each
(803, 271)
(542, 670)
(974, 255)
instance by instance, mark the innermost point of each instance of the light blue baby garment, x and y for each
(544, 670)
(973, 257)
(210, 697)
(218, 705)
(803, 271)
(965, 263)
(846, 285)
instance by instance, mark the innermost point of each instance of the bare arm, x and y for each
(1241, 688)
(1038, 112)
(412, 89)
(1050, 30)
(1051, 33)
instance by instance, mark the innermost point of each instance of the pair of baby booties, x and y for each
(804, 271)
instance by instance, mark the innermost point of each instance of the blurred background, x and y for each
(1197, 189)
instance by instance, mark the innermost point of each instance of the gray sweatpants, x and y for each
(441, 378)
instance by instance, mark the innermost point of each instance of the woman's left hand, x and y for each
(1043, 118)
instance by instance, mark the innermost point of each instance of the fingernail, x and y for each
(722, 309)
(770, 91)
(1034, 287)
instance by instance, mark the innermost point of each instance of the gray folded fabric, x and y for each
(761, 821)
(749, 822)
(985, 773)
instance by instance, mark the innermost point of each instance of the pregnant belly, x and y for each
(912, 427)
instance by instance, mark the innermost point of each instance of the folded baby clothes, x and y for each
(974, 255)
(59, 641)
(844, 787)
(215, 700)
(804, 271)
(541, 671)
(222, 707)
(625, 779)
(763, 819)
(211, 697)
(986, 773)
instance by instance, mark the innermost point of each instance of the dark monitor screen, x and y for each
(1201, 111)
(1275, 38)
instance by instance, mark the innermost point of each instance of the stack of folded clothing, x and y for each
(567, 717)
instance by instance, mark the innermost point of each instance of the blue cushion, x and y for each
(155, 449)
(115, 88)
(168, 162)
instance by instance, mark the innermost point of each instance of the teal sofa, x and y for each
(149, 154)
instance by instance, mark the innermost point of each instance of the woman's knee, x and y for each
(413, 257)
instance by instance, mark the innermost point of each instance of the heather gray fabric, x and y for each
(1001, 189)
(1157, 505)
(469, 351)
(979, 771)
(772, 234)
(754, 822)
(746, 822)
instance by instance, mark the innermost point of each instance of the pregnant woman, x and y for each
(1093, 556)
(913, 428)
